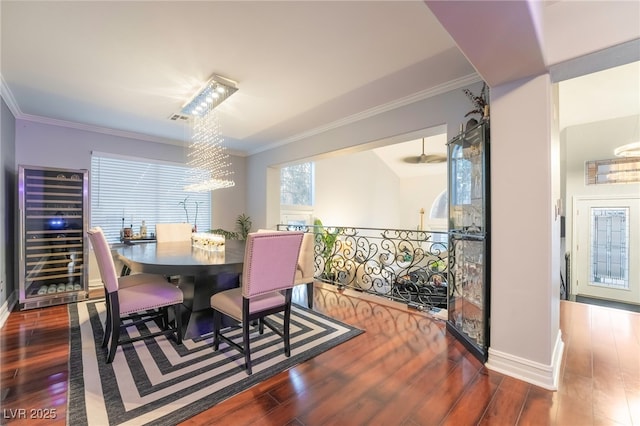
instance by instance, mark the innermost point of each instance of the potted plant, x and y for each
(243, 227)
(183, 203)
(243, 224)
(438, 265)
(480, 105)
(228, 235)
(328, 242)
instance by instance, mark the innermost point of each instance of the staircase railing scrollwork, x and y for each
(407, 266)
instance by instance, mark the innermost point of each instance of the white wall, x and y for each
(593, 141)
(8, 182)
(420, 193)
(525, 338)
(39, 144)
(227, 204)
(357, 190)
(525, 234)
(361, 190)
(446, 109)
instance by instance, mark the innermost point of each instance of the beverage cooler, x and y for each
(469, 239)
(53, 247)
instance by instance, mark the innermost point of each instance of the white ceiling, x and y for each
(600, 96)
(300, 66)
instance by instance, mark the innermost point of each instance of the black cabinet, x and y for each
(469, 238)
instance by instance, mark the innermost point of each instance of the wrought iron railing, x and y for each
(407, 266)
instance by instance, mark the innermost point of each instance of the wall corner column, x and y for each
(525, 339)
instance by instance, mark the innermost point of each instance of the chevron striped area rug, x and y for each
(155, 381)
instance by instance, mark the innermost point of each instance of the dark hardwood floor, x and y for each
(403, 370)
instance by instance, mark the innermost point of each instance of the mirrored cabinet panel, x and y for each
(469, 220)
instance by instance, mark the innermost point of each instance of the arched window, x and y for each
(438, 217)
(440, 207)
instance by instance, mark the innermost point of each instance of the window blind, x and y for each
(126, 191)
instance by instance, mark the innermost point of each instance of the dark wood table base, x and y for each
(197, 315)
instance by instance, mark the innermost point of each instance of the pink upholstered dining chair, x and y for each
(140, 297)
(268, 276)
(305, 270)
(173, 232)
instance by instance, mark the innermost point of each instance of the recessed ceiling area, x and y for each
(299, 66)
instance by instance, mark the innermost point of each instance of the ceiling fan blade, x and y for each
(433, 158)
(426, 159)
(411, 160)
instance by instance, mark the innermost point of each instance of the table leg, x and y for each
(197, 317)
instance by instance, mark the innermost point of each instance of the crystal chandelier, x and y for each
(207, 156)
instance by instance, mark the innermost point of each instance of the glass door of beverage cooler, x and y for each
(53, 250)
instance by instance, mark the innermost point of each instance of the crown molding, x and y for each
(19, 115)
(98, 129)
(112, 132)
(6, 94)
(9, 99)
(407, 100)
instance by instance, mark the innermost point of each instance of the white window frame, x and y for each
(121, 194)
(298, 214)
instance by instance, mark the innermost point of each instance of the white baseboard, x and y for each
(95, 283)
(545, 376)
(7, 307)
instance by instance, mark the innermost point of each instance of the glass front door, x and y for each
(606, 239)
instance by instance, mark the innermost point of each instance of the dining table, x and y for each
(202, 273)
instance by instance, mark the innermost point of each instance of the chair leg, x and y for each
(107, 323)
(287, 326)
(247, 349)
(115, 329)
(165, 318)
(217, 320)
(245, 334)
(177, 311)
